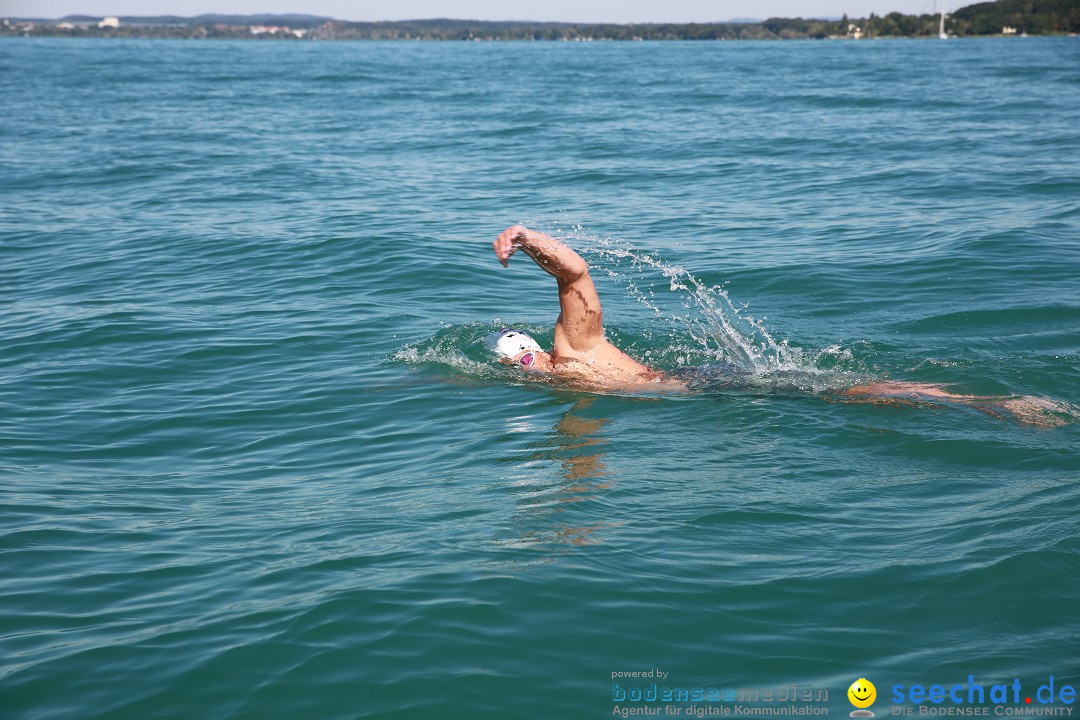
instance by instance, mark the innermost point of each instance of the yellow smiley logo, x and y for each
(862, 693)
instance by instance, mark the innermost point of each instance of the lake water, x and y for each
(255, 461)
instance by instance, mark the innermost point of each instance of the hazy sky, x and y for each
(568, 10)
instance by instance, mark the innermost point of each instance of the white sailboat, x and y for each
(941, 27)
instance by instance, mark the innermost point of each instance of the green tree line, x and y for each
(1035, 17)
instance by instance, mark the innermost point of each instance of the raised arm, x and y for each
(580, 320)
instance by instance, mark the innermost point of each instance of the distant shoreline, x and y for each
(510, 41)
(1002, 18)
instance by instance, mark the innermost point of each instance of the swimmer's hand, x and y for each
(550, 254)
(508, 242)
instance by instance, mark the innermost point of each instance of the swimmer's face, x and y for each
(533, 360)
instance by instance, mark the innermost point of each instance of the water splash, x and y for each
(462, 350)
(690, 325)
(702, 325)
(457, 347)
(699, 335)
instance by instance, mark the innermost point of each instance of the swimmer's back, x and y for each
(603, 364)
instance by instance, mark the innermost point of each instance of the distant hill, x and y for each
(1034, 17)
(292, 20)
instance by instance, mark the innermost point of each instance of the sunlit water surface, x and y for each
(256, 463)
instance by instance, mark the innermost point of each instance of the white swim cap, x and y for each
(508, 342)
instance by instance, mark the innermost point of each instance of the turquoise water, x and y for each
(255, 462)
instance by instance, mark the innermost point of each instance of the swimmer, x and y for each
(581, 354)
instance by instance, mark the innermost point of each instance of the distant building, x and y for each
(110, 22)
(854, 31)
(268, 29)
(1006, 30)
(275, 30)
(66, 25)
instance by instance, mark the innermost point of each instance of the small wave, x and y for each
(441, 356)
